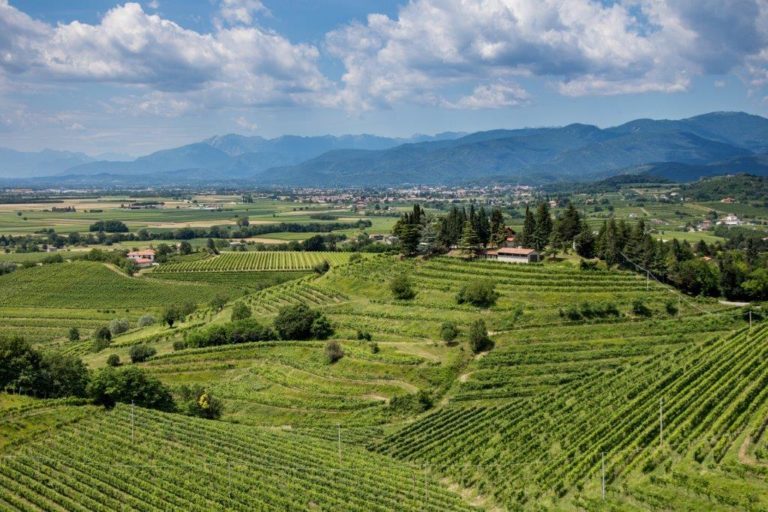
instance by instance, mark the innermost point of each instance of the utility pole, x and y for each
(603, 480)
(661, 422)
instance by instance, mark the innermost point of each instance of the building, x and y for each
(727, 200)
(729, 220)
(143, 258)
(513, 255)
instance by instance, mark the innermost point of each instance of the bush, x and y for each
(102, 337)
(301, 323)
(242, 331)
(375, 348)
(140, 353)
(240, 311)
(478, 293)
(218, 303)
(322, 267)
(401, 287)
(364, 335)
(478, 337)
(74, 334)
(146, 320)
(414, 403)
(119, 326)
(671, 308)
(129, 385)
(179, 345)
(113, 360)
(449, 332)
(333, 351)
(588, 264)
(198, 401)
(171, 315)
(639, 308)
(355, 257)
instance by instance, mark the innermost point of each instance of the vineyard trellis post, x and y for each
(603, 470)
(661, 422)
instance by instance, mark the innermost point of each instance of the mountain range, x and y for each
(680, 150)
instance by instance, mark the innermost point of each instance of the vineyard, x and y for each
(588, 367)
(144, 460)
(256, 261)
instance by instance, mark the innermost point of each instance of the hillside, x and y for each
(577, 376)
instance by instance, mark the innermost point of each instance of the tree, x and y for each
(185, 247)
(322, 267)
(51, 375)
(479, 341)
(314, 243)
(570, 224)
(470, 241)
(211, 246)
(74, 334)
(333, 351)
(140, 353)
(483, 227)
(113, 360)
(498, 233)
(240, 311)
(449, 332)
(119, 326)
(756, 285)
(145, 320)
(480, 293)
(301, 323)
(401, 287)
(102, 337)
(129, 385)
(543, 229)
(529, 229)
(585, 242)
(171, 314)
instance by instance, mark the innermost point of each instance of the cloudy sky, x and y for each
(99, 76)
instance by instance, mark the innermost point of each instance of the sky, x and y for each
(104, 77)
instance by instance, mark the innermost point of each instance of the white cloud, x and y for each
(584, 47)
(234, 65)
(245, 124)
(153, 4)
(240, 12)
(496, 95)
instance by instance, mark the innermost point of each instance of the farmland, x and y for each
(587, 365)
(256, 261)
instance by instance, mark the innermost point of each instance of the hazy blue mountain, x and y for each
(703, 144)
(756, 165)
(40, 163)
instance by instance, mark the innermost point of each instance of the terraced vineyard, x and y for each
(178, 463)
(543, 446)
(256, 261)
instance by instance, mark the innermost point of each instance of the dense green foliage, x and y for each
(478, 293)
(240, 331)
(302, 323)
(129, 385)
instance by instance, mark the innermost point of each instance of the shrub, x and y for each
(413, 403)
(242, 331)
(179, 345)
(478, 293)
(140, 353)
(171, 315)
(478, 337)
(198, 401)
(355, 257)
(375, 348)
(102, 337)
(322, 267)
(449, 332)
(401, 287)
(74, 334)
(671, 308)
(301, 323)
(146, 320)
(240, 311)
(588, 264)
(639, 308)
(119, 326)
(218, 303)
(113, 360)
(333, 351)
(364, 335)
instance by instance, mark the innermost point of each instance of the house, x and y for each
(143, 258)
(727, 200)
(513, 255)
(729, 220)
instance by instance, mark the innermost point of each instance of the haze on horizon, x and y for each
(134, 77)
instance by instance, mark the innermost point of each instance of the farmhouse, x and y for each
(142, 258)
(513, 255)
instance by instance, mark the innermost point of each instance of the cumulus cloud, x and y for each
(584, 47)
(496, 95)
(240, 12)
(246, 65)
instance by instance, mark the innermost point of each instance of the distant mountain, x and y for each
(680, 150)
(40, 163)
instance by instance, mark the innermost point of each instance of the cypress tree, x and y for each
(529, 227)
(543, 229)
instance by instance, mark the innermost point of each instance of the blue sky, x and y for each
(105, 77)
